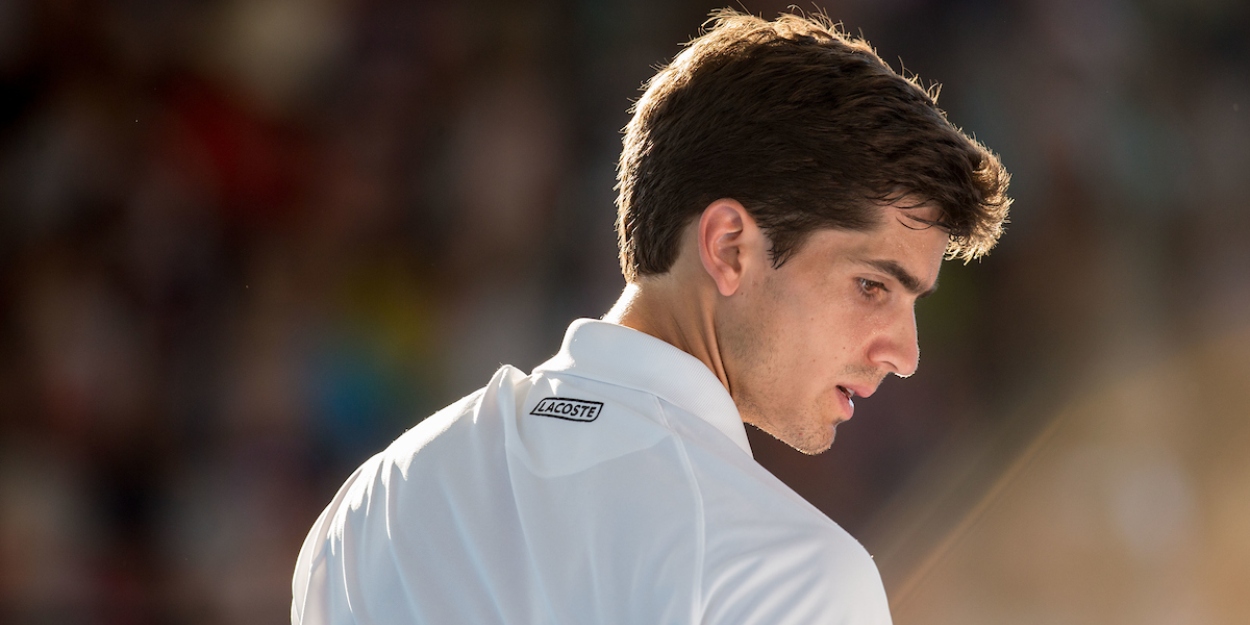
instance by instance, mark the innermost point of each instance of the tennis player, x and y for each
(784, 200)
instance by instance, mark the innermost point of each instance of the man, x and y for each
(784, 200)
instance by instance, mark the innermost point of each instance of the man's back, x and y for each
(613, 485)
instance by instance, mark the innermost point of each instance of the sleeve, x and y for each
(312, 597)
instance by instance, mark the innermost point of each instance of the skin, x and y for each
(791, 343)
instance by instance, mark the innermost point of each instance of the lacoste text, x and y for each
(570, 409)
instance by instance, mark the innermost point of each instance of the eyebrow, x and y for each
(909, 282)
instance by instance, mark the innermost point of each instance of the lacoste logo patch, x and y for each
(568, 409)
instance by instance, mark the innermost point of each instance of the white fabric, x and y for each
(653, 512)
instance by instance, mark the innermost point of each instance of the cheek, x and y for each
(811, 328)
(819, 344)
(847, 335)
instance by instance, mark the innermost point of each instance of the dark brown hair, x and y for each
(805, 126)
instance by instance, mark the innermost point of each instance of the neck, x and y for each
(673, 311)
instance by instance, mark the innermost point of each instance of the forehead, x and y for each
(898, 238)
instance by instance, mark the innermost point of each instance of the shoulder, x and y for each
(566, 424)
(794, 571)
(541, 426)
(771, 557)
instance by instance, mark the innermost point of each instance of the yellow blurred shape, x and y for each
(1131, 506)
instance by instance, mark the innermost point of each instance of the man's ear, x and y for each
(729, 241)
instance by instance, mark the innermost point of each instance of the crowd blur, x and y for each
(246, 243)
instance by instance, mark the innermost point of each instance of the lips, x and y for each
(848, 405)
(859, 390)
(850, 392)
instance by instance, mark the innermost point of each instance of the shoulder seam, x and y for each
(696, 609)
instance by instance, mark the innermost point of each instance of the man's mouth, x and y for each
(846, 391)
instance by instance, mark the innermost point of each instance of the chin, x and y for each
(815, 450)
(813, 443)
(805, 436)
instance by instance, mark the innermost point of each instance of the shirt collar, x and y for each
(615, 354)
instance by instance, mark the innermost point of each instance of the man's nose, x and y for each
(897, 349)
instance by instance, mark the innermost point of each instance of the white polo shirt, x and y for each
(614, 484)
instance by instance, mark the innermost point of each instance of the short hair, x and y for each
(805, 126)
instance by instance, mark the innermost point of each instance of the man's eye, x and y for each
(870, 287)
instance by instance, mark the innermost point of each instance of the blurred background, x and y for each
(246, 243)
